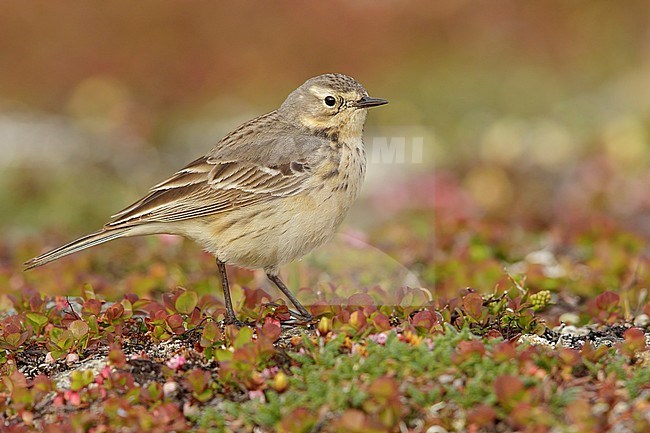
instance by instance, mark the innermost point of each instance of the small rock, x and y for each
(570, 342)
(28, 417)
(190, 410)
(445, 378)
(535, 340)
(71, 358)
(599, 408)
(621, 407)
(575, 331)
(436, 429)
(570, 318)
(170, 389)
(541, 257)
(641, 321)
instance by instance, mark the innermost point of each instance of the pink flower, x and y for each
(269, 372)
(72, 397)
(379, 338)
(257, 394)
(58, 401)
(176, 362)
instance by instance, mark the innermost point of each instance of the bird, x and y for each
(266, 194)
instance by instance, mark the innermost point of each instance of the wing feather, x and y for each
(231, 175)
(206, 187)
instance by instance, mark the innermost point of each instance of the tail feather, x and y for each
(88, 241)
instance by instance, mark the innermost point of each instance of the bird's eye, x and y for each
(330, 101)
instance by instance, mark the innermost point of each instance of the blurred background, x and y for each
(535, 115)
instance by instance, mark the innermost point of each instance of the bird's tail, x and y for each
(87, 241)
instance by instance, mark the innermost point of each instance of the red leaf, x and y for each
(467, 349)
(424, 320)
(508, 389)
(504, 351)
(381, 322)
(634, 341)
(270, 329)
(114, 312)
(175, 322)
(481, 416)
(607, 300)
(473, 305)
(92, 306)
(361, 299)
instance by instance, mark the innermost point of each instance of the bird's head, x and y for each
(330, 104)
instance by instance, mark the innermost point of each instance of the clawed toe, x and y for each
(235, 321)
(303, 317)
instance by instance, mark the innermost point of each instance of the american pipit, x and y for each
(268, 193)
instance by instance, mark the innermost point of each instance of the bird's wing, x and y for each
(207, 186)
(263, 159)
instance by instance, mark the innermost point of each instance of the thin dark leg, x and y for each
(231, 318)
(303, 311)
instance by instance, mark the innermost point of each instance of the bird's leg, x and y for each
(303, 311)
(231, 318)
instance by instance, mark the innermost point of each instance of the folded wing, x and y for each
(205, 187)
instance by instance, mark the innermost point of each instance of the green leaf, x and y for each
(62, 339)
(159, 332)
(93, 327)
(80, 379)
(38, 320)
(223, 355)
(128, 308)
(186, 302)
(55, 334)
(88, 292)
(15, 340)
(211, 333)
(79, 329)
(57, 353)
(244, 336)
(198, 380)
(203, 396)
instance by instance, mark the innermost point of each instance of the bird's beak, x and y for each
(367, 102)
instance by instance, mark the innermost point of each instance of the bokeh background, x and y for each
(535, 115)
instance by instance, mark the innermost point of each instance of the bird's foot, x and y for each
(302, 317)
(238, 323)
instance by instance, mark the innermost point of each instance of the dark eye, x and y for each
(330, 101)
